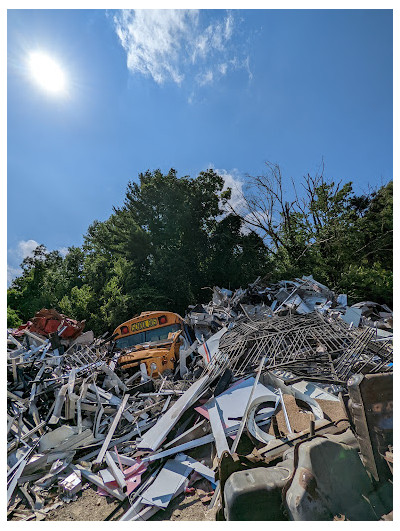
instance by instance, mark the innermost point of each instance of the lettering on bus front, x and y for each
(142, 325)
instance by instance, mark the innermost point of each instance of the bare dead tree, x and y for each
(266, 209)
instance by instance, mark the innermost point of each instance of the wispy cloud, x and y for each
(223, 67)
(153, 40)
(177, 45)
(205, 78)
(215, 38)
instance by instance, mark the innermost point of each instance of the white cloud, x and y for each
(23, 249)
(63, 251)
(26, 248)
(205, 78)
(16, 255)
(12, 272)
(215, 37)
(173, 45)
(234, 182)
(223, 67)
(246, 65)
(229, 26)
(153, 40)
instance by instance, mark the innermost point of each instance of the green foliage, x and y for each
(375, 229)
(343, 240)
(173, 241)
(13, 319)
(236, 258)
(173, 236)
(366, 282)
(38, 286)
(79, 303)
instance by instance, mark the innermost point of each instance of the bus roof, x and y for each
(172, 318)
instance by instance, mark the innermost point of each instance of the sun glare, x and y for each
(47, 73)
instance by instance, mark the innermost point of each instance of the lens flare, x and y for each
(47, 73)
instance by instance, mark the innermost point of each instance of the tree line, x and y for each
(175, 236)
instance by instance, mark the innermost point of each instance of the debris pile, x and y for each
(47, 322)
(284, 399)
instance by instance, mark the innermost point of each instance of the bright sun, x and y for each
(47, 73)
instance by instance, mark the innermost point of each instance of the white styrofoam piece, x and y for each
(71, 485)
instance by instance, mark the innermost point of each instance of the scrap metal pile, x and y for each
(284, 399)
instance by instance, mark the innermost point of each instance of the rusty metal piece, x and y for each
(371, 405)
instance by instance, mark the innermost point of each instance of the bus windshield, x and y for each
(147, 336)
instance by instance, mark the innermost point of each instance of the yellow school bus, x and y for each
(152, 338)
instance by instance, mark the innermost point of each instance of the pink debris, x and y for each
(133, 478)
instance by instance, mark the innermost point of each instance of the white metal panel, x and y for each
(155, 436)
(168, 481)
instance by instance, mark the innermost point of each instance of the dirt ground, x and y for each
(186, 507)
(92, 507)
(88, 506)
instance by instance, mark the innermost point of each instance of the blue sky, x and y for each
(189, 90)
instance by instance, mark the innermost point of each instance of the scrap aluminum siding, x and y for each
(155, 436)
(209, 348)
(232, 402)
(168, 481)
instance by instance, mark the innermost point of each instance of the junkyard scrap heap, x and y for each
(277, 405)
